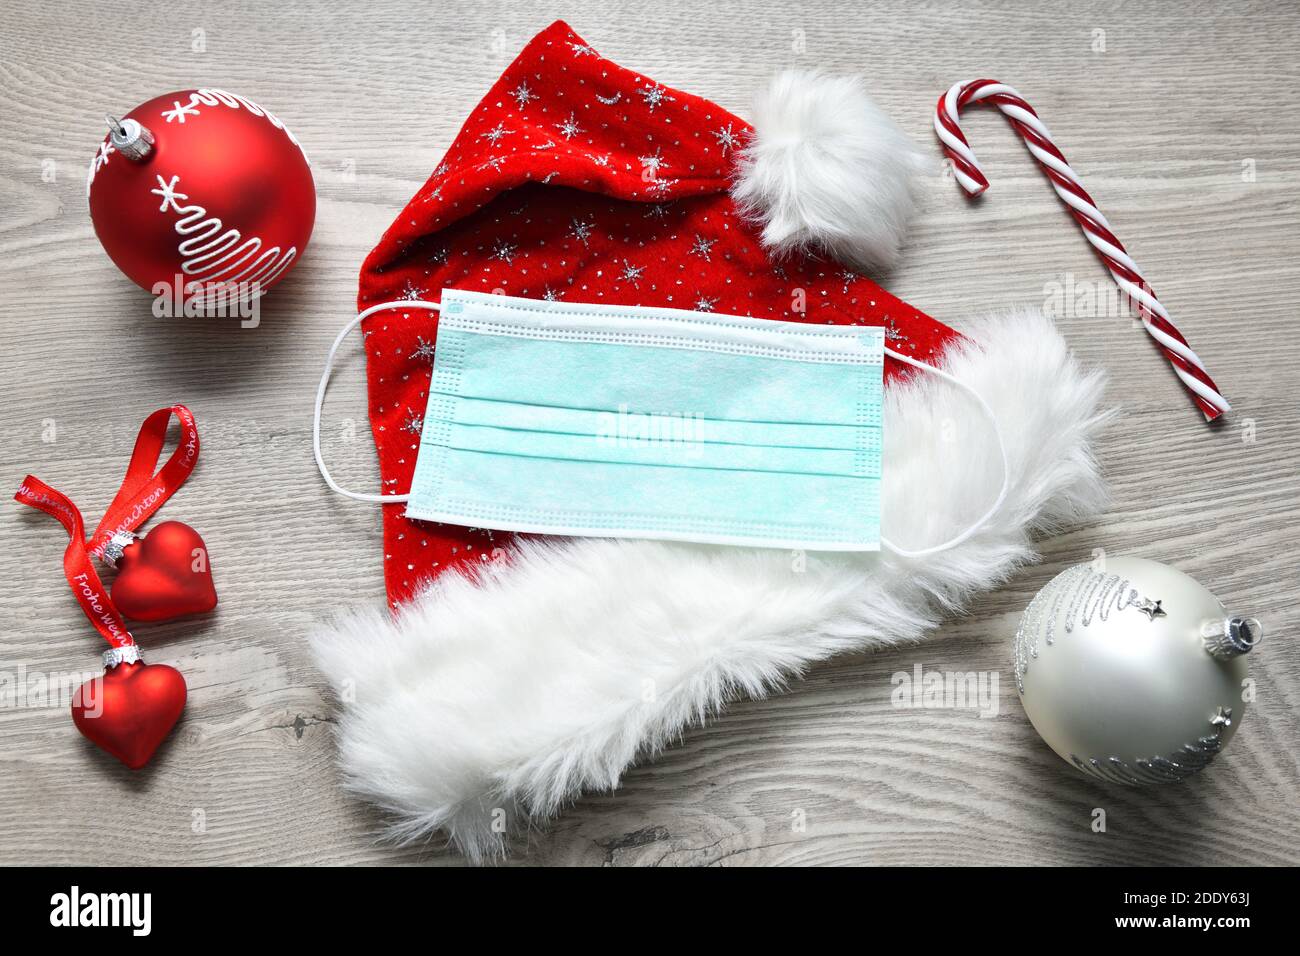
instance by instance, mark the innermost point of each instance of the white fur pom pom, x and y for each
(828, 171)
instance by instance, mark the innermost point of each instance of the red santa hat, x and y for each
(509, 674)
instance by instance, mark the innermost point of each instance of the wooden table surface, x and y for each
(1176, 115)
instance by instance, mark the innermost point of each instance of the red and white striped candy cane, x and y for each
(1095, 227)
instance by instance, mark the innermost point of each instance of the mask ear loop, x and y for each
(320, 398)
(1002, 449)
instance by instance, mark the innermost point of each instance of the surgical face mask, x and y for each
(611, 421)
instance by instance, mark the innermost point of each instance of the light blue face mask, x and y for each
(612, 421)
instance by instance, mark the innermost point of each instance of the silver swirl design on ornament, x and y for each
(1087, 594)
(1189, 759)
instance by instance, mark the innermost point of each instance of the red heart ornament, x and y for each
(130, 710)
(165, 574)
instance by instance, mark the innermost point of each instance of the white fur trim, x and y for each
(828, 171)
(559, 667)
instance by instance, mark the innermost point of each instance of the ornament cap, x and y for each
(126, 654)
(129, 138)
(1237, 636)
(116, 546)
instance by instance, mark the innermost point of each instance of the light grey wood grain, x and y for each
(1162, 125)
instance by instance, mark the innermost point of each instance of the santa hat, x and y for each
(511, 674)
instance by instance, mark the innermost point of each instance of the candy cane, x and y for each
(1096, 229)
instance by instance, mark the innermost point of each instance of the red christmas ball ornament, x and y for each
(204, 193)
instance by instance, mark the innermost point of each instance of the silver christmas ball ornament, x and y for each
(1132, 671)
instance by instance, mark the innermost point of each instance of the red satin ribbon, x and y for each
(77, 566)
(143, 491)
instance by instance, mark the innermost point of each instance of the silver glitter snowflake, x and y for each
(438, 256)
(505, 252)
(894, 334)
(701, 248)
(550, 295)
(442, 169)
(410, 293)
(581, 230)
(599, 160)
(658, 210)
(493, 164)
(654, 163)
(495, 134)
(582, 49)
(523, 94)
(569, 128)
(631, 273)
(414, 423)
(704, 304)
(660, 187)
(726, 138)
(655, 96)
(423, 350)
(434, 196)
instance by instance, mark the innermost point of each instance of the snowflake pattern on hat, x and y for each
(578, 180)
